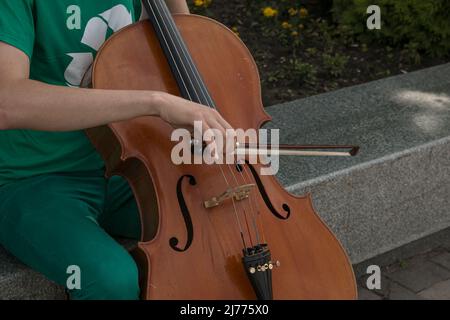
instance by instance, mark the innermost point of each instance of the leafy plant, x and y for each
(302, 72)
(416, 25)
(335, 64)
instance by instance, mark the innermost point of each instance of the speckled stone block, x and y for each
(398, 189)
(18, 282)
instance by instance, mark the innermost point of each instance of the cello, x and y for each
(209, 231)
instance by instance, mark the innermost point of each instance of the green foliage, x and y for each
(417, 26)
(335, 64)
(302, 72)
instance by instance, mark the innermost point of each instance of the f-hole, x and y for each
(173, 242)
(266, 198)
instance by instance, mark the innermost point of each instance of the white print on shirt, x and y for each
(94, 36)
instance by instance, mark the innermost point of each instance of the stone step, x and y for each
(397, 189)
(394, 192)
(18, 282)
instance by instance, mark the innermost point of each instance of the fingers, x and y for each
(222, 121)
(226, 140)
(210, 138)
(184, 114)
(215, 121)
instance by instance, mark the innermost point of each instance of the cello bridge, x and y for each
(239, 193)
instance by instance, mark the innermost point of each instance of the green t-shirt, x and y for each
(61, 38)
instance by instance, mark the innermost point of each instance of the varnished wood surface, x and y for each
(313, 263)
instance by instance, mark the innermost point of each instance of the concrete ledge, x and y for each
(18, 282)
(382, 204)
(397, 190)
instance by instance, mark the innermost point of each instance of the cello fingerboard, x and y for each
(190, 82)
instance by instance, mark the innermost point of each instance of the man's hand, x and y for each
(181, 113)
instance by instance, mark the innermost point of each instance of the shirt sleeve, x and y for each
(17, 24)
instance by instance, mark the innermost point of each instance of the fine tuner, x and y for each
(263, 268)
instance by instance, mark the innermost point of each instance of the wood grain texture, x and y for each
(313, 263)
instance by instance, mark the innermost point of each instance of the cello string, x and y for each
(207, 98)
(206, 95)
(210, 103)
(258, 213)
(176, 37)
(245, 215)
(154, 10)
(170, 51)
(251, 200)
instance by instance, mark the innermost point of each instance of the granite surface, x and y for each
(397, 189)
(18, 282)
(380, 205)
(382, 117)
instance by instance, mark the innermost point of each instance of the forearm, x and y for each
(28, 104)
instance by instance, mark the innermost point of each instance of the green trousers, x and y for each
(55, 221)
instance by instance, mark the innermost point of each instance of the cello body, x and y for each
(187, 251)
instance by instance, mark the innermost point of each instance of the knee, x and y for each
(111, 282)
(119, 284)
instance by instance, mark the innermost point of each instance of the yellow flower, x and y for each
(286, 25)
(303, 12)
(292, 11)
(294, 33)
(269, 12)
(199, 3)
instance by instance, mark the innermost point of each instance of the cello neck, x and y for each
(187, 76)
